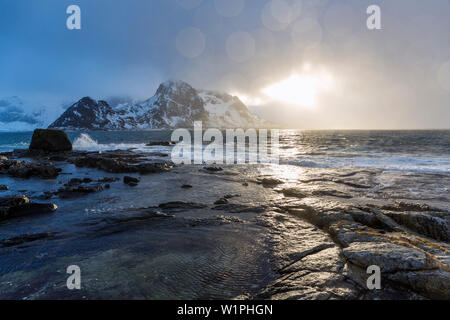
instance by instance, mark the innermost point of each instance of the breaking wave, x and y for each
(86, 143)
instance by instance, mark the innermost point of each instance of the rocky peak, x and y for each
(179, 92)
(175, 104)
(84, 114)
(175, 87)
(86, 100)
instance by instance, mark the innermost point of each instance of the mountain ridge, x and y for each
(175, 104)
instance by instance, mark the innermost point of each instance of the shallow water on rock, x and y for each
(127, 252)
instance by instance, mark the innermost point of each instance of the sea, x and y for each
(414, 150)
(128, 246)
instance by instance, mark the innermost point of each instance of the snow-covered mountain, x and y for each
(176, 104)
(17, 114)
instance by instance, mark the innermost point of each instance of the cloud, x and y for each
(395, 77)
(11, 110)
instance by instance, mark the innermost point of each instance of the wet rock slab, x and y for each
(408, 241)
(392, 257)
(121, 162)
(25, 239)
(311, 264)
(75, 189)
(324, 230)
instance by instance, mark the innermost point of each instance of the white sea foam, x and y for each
(406, 163)
(86, 143)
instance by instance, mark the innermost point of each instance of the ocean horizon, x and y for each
(409, 150)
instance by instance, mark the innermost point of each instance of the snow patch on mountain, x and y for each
(228, 111)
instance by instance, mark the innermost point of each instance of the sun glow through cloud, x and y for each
(249, 100)
(300, 89)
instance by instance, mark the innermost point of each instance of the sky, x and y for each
(299, 63)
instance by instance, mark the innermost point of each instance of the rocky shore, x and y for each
(323, 227)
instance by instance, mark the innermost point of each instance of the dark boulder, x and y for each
(159, 143)
(18, 206)
(25, 169)
(213, 169)
(229, 196)
(79, 187)
(78, 190)
(50, 141)
(158, 154)
(294, 192)
(13, 201)
(108, 179)
(119, 163)
(221, 201)
(146, 168)
(270, 181)
(34, 208)
(131, 181)
(180, 205)
(74, 181)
